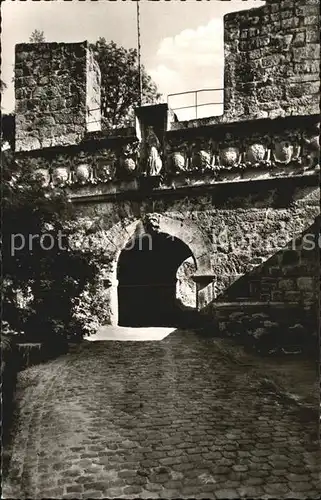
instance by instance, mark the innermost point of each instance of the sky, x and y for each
(181, 41)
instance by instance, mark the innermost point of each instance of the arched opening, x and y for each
(149, 285)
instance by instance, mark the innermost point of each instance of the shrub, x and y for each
(40, 287)
(9, 369)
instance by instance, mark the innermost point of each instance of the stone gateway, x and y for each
(211, 214)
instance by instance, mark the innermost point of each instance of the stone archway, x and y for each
(147, 281)
(184, 230)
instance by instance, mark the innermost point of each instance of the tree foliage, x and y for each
(40, 284)
(120, 83)
(37, 36)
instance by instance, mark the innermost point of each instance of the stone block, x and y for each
(22, 56)
(307, 10)
(277, 296)
(269, 94)
(270, 61)
(277, 37)
(265, 297)
(287, 284)
(58, 103)
(299, 39)
(244, 34)
(306, 67)
(312, 36)
(290, 257)
(258, 43)
(290, 22)
(310, 51)
(285, 14)
(309, 297)
(47, 84)
(255, 54)
(295, 91)
(28, 143)
(44, 121)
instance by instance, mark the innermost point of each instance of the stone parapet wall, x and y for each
(52, 98)
(254, 171)
(272, 59)
(239, 272)
(93, 93)
(269, 327)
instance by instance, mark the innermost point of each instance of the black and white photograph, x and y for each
(160, 249)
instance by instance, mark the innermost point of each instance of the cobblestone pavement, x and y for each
(168, 419)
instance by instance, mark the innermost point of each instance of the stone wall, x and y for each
(205, 156)
(256, 179)
(263, 256)
(265, 274)
(290, 275)
(272, 59)
(52, 98)
(218, 184)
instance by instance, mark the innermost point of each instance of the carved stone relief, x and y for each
(283, 152)
(129, 157)
(286, 149)
(201, 154)
(176, 156)
(151, 223)
(42, 176)
(257, 154)
(179, 161)
(230, 156)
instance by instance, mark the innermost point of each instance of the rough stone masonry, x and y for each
(254, 170)
(57, 90)
(272, 60)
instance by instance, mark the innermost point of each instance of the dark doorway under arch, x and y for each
(146, 275)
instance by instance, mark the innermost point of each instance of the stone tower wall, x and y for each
(52, 97)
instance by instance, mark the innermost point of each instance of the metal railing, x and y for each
(196, 104)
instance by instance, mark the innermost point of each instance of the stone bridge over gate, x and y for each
(200, 191)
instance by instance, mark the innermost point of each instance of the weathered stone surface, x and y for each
(280, 41)
(275, 274)
(240, 233)
(60, 83)
(181, 395)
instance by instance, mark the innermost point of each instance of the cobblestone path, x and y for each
(169, 419)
